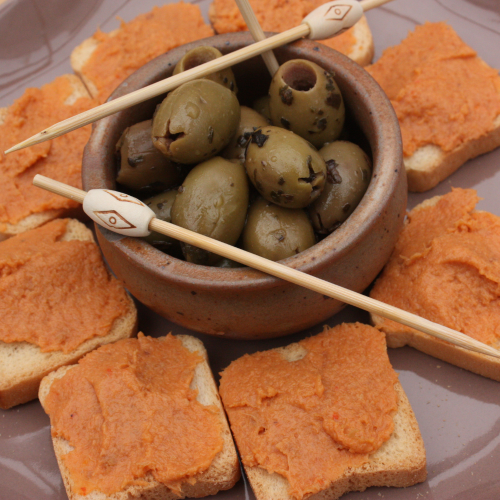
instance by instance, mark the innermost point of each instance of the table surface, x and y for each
(458, 412)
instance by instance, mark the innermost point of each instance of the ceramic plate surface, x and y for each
(458, 412)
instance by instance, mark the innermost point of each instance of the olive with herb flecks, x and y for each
(212, 201)
(348, 176)
(285, 169)
(250, 121)
(261, 105)
(161, 204)
(201, 55)
(306, 99)
(275, 232)
(142, 166)
(195, 121)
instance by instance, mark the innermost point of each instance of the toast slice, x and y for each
(429, 165)
(448, 219)
(356, 43)
(133, 44)
(58, 158)
(447, 101)
(400, 461)
(362, 50)
(223, 472)
(23, 364)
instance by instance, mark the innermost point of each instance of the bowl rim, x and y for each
(386, 162)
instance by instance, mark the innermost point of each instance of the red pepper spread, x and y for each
(443, 94)
(446, 268)
(274, 15)
(129, 413)
(312, 418)
(59, 159)
(56, 294)
(149, 35)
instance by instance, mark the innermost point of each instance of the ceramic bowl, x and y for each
(244, 303)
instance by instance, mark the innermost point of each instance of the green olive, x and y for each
(195, 121)
(285, 169)
(306, 100)
(348, 176)
(250, 121)
(161, 204)
(261, 105)
(275, 232)
(142, 166)
(204, 54)
(212, 201)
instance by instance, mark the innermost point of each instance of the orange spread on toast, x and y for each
(274, 15)
(55, 294)
(129, 412)
(147, 36)
(446, 268)
(59, 158)
(311, 419)
(443, 94)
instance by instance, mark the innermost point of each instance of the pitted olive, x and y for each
(161, 204)
(306, 100)
(142, 166)
(261, 105)
(195, 121)
(348, 176)
(200, 55)
(285, 169)
(275, 232)
(250, 121)
(212, 201)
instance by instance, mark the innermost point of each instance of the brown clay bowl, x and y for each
(244, 303)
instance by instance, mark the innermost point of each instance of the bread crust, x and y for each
(430, 165)
(362, 52)
(364, 48)
(400, 461)
(38, 219)
(79, 57)
(222, 474)
(484, 365)
(24, 365)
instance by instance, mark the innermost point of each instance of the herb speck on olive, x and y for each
(285, 123)
(259, 138)
(321, 124)
(286, 95)
(332, 174)
(334, 100)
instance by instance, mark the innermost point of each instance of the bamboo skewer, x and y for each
(278, 270)
(162, 87)
(257, 33)
(317, 25)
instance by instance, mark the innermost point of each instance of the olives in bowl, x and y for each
(242, 302)
(195, 121)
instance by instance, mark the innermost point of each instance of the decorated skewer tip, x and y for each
(118, 212)
(333, 18)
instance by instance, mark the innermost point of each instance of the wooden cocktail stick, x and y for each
(126, 215)
(324, 22)
(257, 33)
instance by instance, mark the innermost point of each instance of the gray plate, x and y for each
(458, 412)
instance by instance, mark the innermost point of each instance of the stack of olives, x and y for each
(202, 148)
